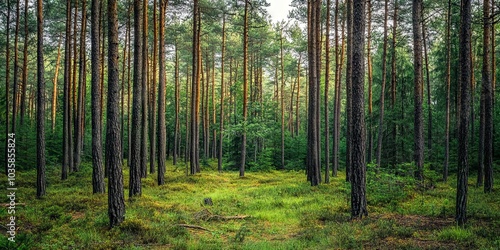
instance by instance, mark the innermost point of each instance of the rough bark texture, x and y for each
(81, 89)
(25, 63)
(221, 118)
(16, 69)
(393, 83)
(67, 152)
(161, 133)
(97, 166)
(448, 85)
(194, 129)
(144, 91)
(129, 107)
(152, 135)
(122, 90)
(214, 115)
(349, 90)
(135, 164)
(103, 45)
(40, 106)
(313, 157)
(487, 92)
(336, 114)
(418, 150)
(463, 135)
(493, 74)
(116, 200)
(327, 83)
(72, 91)
(176, 87)
(358, 177)
(382, 92)
(370, 83)
(245, 91)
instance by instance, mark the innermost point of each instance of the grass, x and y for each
(285, 213)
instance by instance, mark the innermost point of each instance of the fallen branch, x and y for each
(193, 227)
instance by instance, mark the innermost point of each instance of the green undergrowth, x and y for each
(284, 212)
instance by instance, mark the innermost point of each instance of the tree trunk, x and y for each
(16, 69)
(291, 124)
(327, 83)
(282, 101)
(54, 93)
(202, 93)
(129, 107)
(370, 83)
(81, 90)
(358, 178)
(487, 92)
(245, 90)
(313, 166)
(73, 94)
(25, 63)
(382, 93)
(214, 117)
(493, 74)
(428, 80)
(144, 91)
(221, 118)
(349, 90)
(194, 129)
(67, 150)
(152, 135)
(393, 82)
(161, 133)
(97, 167)
(206, 83)
(463, 138)
(448, 85)
(177, 127)
(122, 93)
(418, 153)
(297, 102)
(40, 106)
(102, 24)
(116, 201)
(135, 164)
(7, 83)
(336, 113)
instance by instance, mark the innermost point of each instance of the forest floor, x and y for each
(284, 212)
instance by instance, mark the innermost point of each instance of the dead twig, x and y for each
(193, 227)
